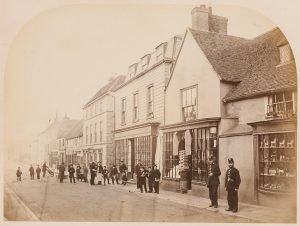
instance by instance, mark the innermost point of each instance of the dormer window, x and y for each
(132, 70)
(160, 51)
(145, 61)
(281, 104)
(286, 54)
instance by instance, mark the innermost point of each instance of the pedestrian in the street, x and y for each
(213, 180)
(123, 171)
(137, 173)
(232, 183)
(157, 175)
(71, 173)
(78, 168)
(31, 172)
(38, 172)
(85, 173)
(150, 177)
(61, 172)
(19, 174)
(142, 178)
(44, 168)
(99, 173)
(114, 174)
(105, 175)
(93, 172)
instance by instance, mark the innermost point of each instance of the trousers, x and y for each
(232, 199)
(213, 194)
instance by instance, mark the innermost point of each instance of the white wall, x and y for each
(192, 67)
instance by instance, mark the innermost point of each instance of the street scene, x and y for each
(190, 116)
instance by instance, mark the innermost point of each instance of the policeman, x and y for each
(232, 183)
(213, 180)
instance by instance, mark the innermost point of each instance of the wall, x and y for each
(192, 67)
(240, 148)
(155, 77)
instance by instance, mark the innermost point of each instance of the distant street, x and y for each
(51, 201)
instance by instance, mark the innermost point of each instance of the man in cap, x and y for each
(213, 180)
(232, 183)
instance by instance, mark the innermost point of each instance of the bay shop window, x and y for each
(202, 142)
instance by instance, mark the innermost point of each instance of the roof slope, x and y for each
(111, 86)
(75, 131)
(65, 127)
(267, 75)
(225, 53)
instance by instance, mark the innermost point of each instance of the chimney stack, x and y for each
(204, 20)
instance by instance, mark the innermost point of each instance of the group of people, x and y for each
(32, 172)
(232, 183)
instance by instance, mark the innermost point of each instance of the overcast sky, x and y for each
(62, 57)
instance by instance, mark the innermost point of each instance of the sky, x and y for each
(62, 57)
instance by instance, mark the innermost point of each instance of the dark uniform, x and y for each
(123, 169)
(142, 179)
(105, 175)
(137, 173)
(93, 171)
(232, 183)
(114, 174)
(71, 174)
(61, 170)
(44, 167)
(213, 181)
(150, 176)
(38, 172)
(19, 173)
(156, 174)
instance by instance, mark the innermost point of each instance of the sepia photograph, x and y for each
(154, 112)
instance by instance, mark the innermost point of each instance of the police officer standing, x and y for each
(61, 170)
(232, 183)
(93, 171)
(38, 172)
(31, 171)
(213, 180)
(138, 173)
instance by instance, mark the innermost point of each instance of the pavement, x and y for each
(131, 196)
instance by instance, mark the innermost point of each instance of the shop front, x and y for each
(275, 161)
(186, 148)
(134, 144)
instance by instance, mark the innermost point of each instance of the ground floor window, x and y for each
(202, 143)
(121, 152)
(277, 161)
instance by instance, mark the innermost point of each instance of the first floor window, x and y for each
(101, 131)
(123, 111)
(150, 107)
(281, 104)
(135, 107)
(189, 104)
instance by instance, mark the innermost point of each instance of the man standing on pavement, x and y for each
(150, 176)
(31, 171)
(38, 172)
(44, 168)
(85, 173)
(105, 175)
(71, 173)
(232, 183)
(123, 170)
(157, 175)
(213, 180)
(93, 171)
(137, 173)
(142, 178)
(99, 173)
(114, 174)
(61, 172)
(19, 173)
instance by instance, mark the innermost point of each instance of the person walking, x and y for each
(78, 176)
(31, 172)
(137, 173)
(213, 181)
(44, 169)
(85, 173)
(38, 172)
(93, 172)
(61, 172)
(19, 174)
(114, 174)
(105, 175)
(71, 173)
(232, 183)
(157, 175)
(150, 177)
(142, 177)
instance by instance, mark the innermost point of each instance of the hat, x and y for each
(230, 160)
(211, 158)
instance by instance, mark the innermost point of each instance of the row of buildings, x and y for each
(198, 94)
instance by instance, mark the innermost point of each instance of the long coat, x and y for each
(214, 179)
(232, 179)
(61, 170)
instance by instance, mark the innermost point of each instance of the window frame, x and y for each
(191, 105)
(123, 111)
(135, 109)
(150, 114)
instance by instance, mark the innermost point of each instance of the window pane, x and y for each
(189, 97)
(194, 96)
(183, 98)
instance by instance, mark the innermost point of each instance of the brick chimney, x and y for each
(204, 20)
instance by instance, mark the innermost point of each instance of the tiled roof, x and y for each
(111, 86)
(75, 131)
(65, 127)
(266, 75)
(225, 53)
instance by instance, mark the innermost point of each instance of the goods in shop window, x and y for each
(273, 143)
(290, 143)
(282, 143)
(266, 142)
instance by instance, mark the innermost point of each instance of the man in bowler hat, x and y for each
(213, 181)
(232, 183)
